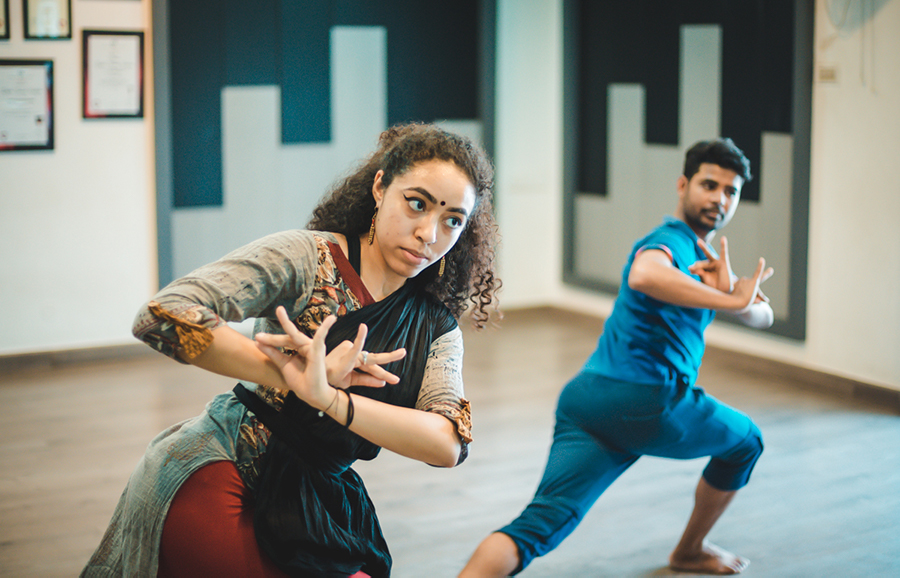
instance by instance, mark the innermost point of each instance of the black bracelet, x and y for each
(349, 410)
(322, 412)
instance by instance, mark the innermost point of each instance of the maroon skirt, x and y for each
(209, 529)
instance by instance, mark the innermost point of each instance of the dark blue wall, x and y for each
(638, 41)
(432, 70)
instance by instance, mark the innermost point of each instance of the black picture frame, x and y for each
(112, 74)
(44, 24)
(4, 20)
(29, 125)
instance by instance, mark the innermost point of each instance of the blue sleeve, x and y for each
(679, 248)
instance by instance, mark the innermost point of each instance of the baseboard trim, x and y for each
(881, 396)
(69, 357)
(810, 378)
(803, 377)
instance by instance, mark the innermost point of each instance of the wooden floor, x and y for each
(824, 499)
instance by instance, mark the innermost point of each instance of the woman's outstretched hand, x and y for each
(306, 375)
(346, 365)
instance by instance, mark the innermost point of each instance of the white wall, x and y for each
(77, 224)
(854, 272)
(853, 318)
(528, 150)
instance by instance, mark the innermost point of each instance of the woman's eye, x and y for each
(416, 204)
(454, 222)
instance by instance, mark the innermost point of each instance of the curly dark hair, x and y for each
(469, 275)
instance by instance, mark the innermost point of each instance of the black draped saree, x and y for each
(313, 516)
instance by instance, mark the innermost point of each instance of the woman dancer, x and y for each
(260, 483)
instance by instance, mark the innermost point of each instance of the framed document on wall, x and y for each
(113, 71)
(47, 19)
(4, 19)
(26, 105)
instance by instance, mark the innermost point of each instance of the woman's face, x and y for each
(420, 216)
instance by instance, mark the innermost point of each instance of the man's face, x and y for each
(709, 199)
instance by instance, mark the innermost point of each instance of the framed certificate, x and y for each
(47, 19)
(26, 105)
(113, 71)
(4, 19)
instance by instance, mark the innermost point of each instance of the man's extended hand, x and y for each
(746, 289)
(714, 271)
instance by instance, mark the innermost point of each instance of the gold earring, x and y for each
(441, 268)
(372, 228)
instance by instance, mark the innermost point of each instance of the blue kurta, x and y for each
(646, 340)
(635, 396)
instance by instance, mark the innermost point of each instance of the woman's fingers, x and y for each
(374, 361)
(274, 354)
(275, 340)
(360, 340)
(289, 328)
(361, 379)
(346, 364)
(385, 357)
(380, 376)
(315, 374)
(318, 342)
(292, 338)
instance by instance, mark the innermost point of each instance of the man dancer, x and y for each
(636, 396)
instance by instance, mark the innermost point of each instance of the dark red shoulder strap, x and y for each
(349, 274)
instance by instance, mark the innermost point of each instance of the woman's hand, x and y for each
(346, 365)
(306, 375)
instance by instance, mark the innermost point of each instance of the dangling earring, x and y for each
(441, 268)
(372, 228)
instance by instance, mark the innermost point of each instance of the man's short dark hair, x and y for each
(722, 152)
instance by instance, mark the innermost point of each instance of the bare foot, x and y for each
(710, 560)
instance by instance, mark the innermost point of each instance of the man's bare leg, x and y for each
(693, 553)
(496, 556)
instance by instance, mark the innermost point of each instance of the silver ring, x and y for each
(365, 358)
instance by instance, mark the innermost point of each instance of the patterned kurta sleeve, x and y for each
(251, 281)
(442, 386)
